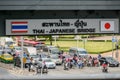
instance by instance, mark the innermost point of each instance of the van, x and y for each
(7, 42)
(48, 50)
(78, 51)
(30, 50)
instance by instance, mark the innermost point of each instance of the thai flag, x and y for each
(19, 27)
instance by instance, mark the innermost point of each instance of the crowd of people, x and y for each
(81, 62)
(69, 63)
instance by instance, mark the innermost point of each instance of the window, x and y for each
(45, 49)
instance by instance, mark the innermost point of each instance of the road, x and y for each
(4, 74)
(59, 73)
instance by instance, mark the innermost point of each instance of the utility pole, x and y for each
(22, 52)
(113, 40)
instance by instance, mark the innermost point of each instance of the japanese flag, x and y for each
(107, 25)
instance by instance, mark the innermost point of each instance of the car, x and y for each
(110, 60)
(7, 50)
(1, 52)
(42, 55)
(55, 58)
(1, 48)
(48, 50)
(6, 57)
(39, 46)
(17, 50)
(78, 52)
(30, 50)
(35, 58)
(67, 57)
(49, 63)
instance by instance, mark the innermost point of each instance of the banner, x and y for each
(61, 26)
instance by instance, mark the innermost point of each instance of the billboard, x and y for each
(61, 26)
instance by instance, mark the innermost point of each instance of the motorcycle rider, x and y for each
(104, 66)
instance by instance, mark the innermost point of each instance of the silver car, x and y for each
(49, 63)
(56, 59)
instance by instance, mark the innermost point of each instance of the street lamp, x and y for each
(114, 39)
(55, 38)
(77, 37)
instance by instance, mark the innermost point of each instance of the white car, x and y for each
(56, 59)
(49, 63)
(35, 58)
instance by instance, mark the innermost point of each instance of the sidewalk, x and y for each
(19, 71)
(16, 70)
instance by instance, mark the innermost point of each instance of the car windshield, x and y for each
(111, 59)
(47, 60)
(7, 56)
(54, 57)
(43, 56)
(18, 48)
(55, 51)
(9, 43)
(82, 52)
(34, 56)
(39, 46)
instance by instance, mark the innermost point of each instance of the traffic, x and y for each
(37, 56)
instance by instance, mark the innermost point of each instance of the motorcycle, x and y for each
(66, 66)
(105, 69)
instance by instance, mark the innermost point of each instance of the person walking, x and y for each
(14, 60)
(28, 61)
(44, 67)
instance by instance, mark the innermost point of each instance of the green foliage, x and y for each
(91, 46)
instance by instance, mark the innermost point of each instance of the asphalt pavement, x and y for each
(60, 73)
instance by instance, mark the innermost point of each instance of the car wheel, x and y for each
(117, 65)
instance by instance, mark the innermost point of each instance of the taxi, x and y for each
(6, 58)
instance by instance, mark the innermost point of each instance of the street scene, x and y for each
(41, 63)
(60, 39)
